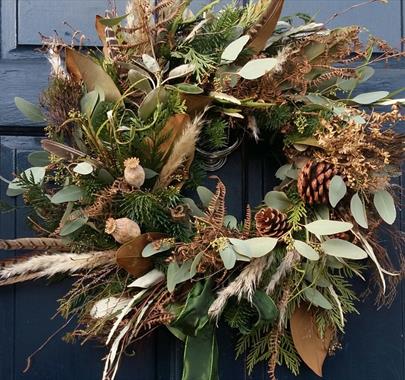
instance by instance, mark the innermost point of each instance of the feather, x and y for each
(61, 150)
(265, 27)
(49, 265)
(182, 153)
(34, 244)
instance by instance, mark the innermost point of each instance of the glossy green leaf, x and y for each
(39, 158)
(257, 67)
(228, 257)
(265, 307)
(328, 227)
(306, 250)
(358, 210)
(70, 193)
(83, 168)
(277, 200)
(29, 110)
(337, 190)
(112, 21)
(205, 195)
(385, 206)
(233, 50)
(370, 97)
(344, 249)
(73, 226)
(316, 298)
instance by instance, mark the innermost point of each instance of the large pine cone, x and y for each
(314, 181)
(271, 222)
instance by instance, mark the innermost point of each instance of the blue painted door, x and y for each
(373, 348)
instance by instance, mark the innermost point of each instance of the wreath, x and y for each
(134, 129)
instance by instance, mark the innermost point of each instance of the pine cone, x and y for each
(314, 180)
(271, 222)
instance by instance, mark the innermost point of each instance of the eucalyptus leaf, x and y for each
(255, 247)
(365, 73)
(358, 210)
(306, 250)
(205, 195)
(316, 298)
(83, 168)
(151, 101)
(177, 274)
(228, 256)
(337, 190)
(112, 21)
(181, 71)
(277, 200)
(14, 188)
(39, 158)
(328, 227)
(230, 222)
(149, 173)
(370, 97)
(70, 193)
(195, 211)
(385, 206)
(150, 63)
(35, 174)
(29, 110)
(140, 80)
(194, 265)
(73, 226)
(282, 172)
(150, 249)
(233, 50)
(257, 67)
(344, 249)
(188, 88)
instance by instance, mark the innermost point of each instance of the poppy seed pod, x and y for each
(133, 173)
(123, 229)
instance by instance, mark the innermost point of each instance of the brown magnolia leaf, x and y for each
(196, 103)
(129, 255)
(173, 128)
(82, 67)
(265, 27)
(309, 345)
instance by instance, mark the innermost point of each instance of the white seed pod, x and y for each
(123, 229)
(133, 173)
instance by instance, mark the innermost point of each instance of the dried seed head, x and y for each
(123, 229)
(134, 174)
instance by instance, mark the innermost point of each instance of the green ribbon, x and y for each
(201, 355)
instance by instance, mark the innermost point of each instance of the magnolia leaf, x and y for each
(257, 67)
(337, 190)
(140, 80)
(39, 158)
(70, 193)
(328, 227)
(82, 67)
(228, 256)
(72, 226)
(147, 280)
(181, 71)
(29, 110)
(205, 195)
(230, 222)
(187, 88)
(83, 168)
(129, 255)
(306, 250)
(370, 97)
(255, 247)
(109, 306)
(150, 63)
(358, 210)
(277, 200)
(88, 102)
(316, 298)
(310, 346)
(233, 50)
(344, 249)
(112, 21)
(225, 97)
(157, 247)
(151, 101)
(385, 206)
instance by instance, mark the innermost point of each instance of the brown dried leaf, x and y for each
(309, 345)
(129, 255)
(263, 30)
(196, 103)
(82, 67)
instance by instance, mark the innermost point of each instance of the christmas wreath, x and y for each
(133, 129)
